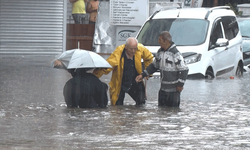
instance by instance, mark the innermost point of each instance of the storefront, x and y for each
(31, 27)
(34, 26)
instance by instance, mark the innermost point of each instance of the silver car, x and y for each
(244, 25)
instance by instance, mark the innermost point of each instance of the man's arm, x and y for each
(101, 95)
(147, 72)
(89, 8)
(67, 93)
(112, 60)
(183, 71)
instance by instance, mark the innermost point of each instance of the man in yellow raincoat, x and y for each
(126, 63)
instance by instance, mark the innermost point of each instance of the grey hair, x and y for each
(128, 40)
(166, 36)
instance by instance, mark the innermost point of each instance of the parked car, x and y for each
(208, 38)
(244, 25)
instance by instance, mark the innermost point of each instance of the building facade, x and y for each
(39, 27)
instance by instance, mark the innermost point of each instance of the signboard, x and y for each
(122, 33)
(128, 12)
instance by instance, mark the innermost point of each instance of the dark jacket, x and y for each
(85, 90)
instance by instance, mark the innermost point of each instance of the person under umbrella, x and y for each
(83, 90)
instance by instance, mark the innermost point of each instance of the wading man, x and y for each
(126, 63)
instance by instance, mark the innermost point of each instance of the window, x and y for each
(230, 26)
(185, 32)
(216, 34)
(244, 25)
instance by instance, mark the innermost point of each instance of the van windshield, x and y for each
(186, 32)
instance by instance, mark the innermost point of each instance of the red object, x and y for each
(231, 77)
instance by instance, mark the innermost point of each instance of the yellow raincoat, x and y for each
(117, 63)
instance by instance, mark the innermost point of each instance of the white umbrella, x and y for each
(79, 58)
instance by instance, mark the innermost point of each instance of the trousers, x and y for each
(170, 99)
(137, 92)
(79, 18)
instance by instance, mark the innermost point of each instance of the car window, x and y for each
(216, 33)
(230, 26)
(186, 32)
(244, 25)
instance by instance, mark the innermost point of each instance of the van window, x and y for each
(186, 32)
(230, 26)
(216, 34)
(244, 25)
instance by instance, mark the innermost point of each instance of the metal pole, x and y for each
(65, 3)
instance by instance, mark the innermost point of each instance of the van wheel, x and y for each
(239, 70)
(209, 74)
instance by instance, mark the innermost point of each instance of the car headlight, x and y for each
(192, 58)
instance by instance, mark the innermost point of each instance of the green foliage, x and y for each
(235, 9)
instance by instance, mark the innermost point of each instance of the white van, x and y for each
(208, 38)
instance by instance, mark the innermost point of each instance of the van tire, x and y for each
(209, 74)
(239, 70)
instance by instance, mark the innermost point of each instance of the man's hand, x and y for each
(95, 71)
(139, 78)
(147, 77)
(58, 63)
(179, 89)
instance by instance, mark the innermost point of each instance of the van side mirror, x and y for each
(222, 42)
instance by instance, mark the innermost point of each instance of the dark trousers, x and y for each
(137, 92)
(91, 22)
(79, 18)
(170, 99)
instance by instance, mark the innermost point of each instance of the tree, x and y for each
(235, 9)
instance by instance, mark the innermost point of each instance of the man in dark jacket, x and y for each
(85, 90)
(172, 68)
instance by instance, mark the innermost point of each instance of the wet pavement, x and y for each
(214, 114)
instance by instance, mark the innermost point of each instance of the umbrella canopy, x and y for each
(79, 58)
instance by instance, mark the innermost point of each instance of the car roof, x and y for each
(195, 13)
(243, 18)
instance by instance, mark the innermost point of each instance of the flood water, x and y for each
(214, 114)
